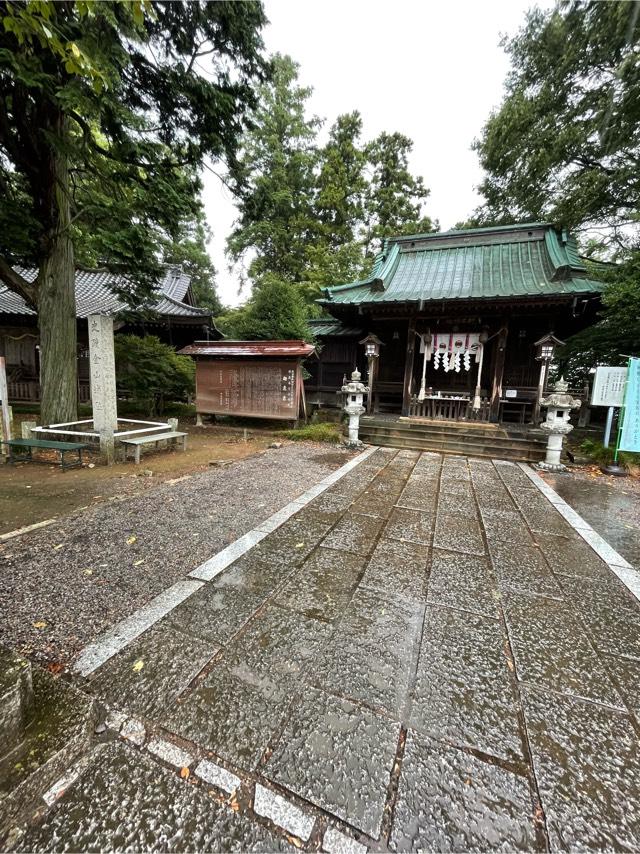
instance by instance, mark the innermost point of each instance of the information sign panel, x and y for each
(608, 386)
(263, 389)
(630, 433)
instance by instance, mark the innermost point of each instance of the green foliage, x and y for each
(565, 144)
(152, 372)
(565, 147)
(107, 113)
(189, 249)
(395, 196)
(275, 311)
(617, 332)
(310, 213)
(323, 432)
(115, 88)
(274, 181)
(599, 454)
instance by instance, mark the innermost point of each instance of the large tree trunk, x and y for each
(57, 301)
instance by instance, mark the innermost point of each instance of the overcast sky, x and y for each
(431, 70)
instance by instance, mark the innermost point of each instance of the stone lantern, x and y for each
(354, 392)
(559, 405)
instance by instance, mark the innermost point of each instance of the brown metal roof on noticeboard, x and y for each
(259, 349)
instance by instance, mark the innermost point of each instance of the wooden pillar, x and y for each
(498, 369)
(408, 365)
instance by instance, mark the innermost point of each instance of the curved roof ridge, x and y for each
(461, 269)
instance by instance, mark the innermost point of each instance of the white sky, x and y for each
(431, 70)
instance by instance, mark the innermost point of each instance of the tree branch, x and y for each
(17, 283)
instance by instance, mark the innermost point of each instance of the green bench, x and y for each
(25, 447)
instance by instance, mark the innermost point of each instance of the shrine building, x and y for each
(457, 325)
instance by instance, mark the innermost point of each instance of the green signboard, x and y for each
(630, 432)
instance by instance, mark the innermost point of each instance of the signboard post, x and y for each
(608, 390)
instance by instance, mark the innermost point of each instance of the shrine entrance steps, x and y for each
(494, 441)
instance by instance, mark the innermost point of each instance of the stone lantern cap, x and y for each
(559, 398)
(355, 386)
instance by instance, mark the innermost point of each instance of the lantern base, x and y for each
(545, 466)
(615, 470)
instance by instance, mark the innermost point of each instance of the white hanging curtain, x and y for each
(456, 350)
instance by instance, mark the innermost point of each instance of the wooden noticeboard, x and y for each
(261, 389)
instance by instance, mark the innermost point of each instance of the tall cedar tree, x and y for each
(565, 147)
(395, 197)
(188, 248)
(105, 118)
(309, 213)
(565, 144)
(274, 184)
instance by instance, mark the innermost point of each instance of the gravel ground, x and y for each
(63, 585)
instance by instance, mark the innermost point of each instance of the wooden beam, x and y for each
(408, 365)
(5, 417)
(498, 369)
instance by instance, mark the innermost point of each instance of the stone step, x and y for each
(523, 451)
(485, 428)
(55, 728)
(452, 436)
(439, 439)
(457, 428)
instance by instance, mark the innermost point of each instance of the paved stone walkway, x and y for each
(426, 656)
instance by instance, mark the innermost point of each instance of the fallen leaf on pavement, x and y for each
(131, 540)
(138, 562)
(137, 667)
(184, 772)
(39, 625)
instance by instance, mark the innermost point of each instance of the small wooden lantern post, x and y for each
(372, 346)
(545, 351)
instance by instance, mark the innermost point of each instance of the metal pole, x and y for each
(607, 429)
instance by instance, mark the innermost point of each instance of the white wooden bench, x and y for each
(138, 441)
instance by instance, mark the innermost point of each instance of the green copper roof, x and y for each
(325, 327)
(480, 263)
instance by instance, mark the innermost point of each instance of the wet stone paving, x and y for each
(426, 656)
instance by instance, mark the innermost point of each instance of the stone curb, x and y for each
(116, 638)
(335, 842)
(282, 813)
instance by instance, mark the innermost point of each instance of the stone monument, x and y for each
(102, 368)
(354, 392)
(559, 405)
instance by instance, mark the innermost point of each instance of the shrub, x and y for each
(315, 433)
(152, 372)
(597, 452)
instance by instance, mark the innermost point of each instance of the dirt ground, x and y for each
(32, 493)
